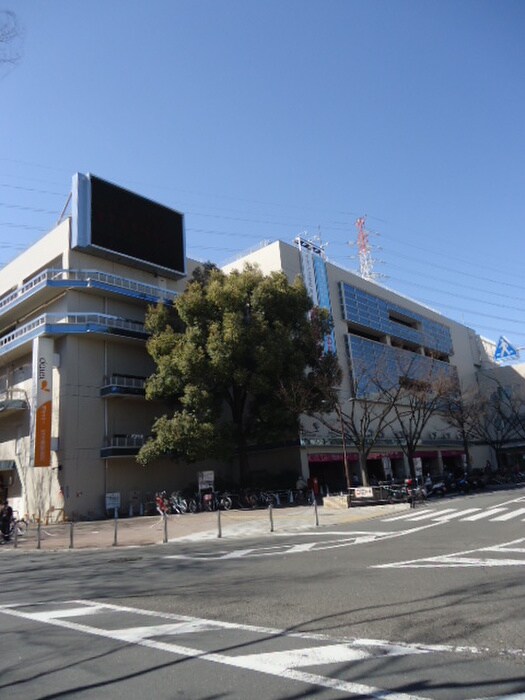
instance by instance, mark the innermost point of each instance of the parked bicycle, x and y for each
(17, 528)
(178, 504)
(209, 501)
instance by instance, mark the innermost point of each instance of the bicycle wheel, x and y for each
(193, 506)
(21, 527)
(225, 502)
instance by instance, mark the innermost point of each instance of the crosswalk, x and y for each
(311, 659)
(497, 514)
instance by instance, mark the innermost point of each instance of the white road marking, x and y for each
(282, 664)
(426, 516)
(406, 516)
(274, 550)
(483, 514)
(459, 514)
(508, 516)
(461, 559)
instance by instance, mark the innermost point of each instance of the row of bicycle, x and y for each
(209, 500)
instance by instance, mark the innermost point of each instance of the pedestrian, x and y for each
(6, 515)
(300, 484)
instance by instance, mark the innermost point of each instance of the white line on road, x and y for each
(281, 664)
(461, 559)
(483, 514)
(508, 516)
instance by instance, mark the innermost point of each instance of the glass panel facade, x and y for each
(375, 314)
(376, 364)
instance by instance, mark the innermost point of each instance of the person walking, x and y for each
(6, 515)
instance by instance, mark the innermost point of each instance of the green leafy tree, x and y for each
(230, 351)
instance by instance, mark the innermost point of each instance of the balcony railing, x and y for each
(123, 385)
(122, 445)
(58, 324)
(87, 278)
(13, 400)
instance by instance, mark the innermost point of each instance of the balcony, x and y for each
(121, 385)
(74, 323)
(21, 300)
(122, 446)
(13, 401)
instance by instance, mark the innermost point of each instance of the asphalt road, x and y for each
(421, 604)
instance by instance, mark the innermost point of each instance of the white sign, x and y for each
(113, 500)
(418, 466)
(206, 480)
(364, 492)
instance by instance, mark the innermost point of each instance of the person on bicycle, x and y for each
(6, 515)
(162, 503)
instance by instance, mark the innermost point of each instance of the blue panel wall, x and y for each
(373, 312)
(375, 363)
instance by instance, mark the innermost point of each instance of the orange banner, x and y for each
(42, 379)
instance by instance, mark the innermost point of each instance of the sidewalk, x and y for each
(234, 524)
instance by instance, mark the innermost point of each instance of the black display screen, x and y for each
(130, 225)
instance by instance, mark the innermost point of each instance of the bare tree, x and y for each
(496, 413)
(362, 418)
(422, 388)
(10, 41)
(459, 411)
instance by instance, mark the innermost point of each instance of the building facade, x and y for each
(73, 361)
(377, 330)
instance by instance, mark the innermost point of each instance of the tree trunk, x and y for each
(243, 461)
(363, 468)
(467, 453)
(411, 465)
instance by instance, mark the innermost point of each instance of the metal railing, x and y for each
(104, 321)
(133, 440)
(124, 381)
(89, 277)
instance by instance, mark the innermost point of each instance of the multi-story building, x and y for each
(377, 328)
(73, 361)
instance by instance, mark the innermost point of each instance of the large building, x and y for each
(375, 327)
(72, 353)
(73, 361)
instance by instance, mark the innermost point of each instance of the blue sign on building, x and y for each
(504, 350)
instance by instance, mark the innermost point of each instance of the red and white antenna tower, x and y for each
(366, 264)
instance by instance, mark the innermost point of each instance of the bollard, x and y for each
(115, 533)
(165, 518)
(141, 509)
(316, 513)
(15, 536)
(71, 535)
(130, 510)
(270, 511)
(219, 528)
(38, 535)
(290, 497)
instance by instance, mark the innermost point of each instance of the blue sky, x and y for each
(265, 119)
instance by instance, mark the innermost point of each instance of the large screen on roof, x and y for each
(113, 222)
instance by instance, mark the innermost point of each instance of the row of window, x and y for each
(387, 318)
(375, 365)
